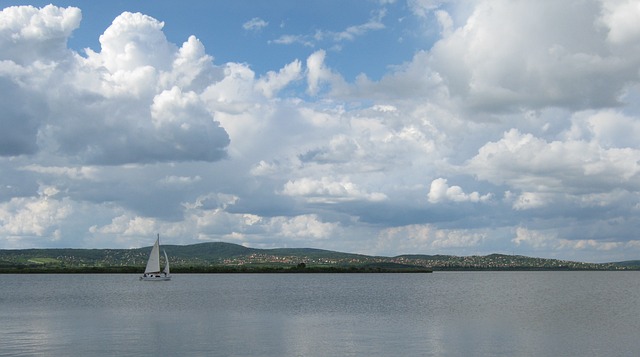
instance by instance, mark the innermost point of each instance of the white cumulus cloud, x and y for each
(120, 105)
(440, 191)
(329, 190)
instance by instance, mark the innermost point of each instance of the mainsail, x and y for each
(153, 264)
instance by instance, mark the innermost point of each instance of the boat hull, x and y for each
(155, 278)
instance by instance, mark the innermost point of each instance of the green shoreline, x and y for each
(214, 271)
(272, 270)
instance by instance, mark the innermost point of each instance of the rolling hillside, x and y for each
(233, 255)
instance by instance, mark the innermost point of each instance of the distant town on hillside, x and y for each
(227, 257)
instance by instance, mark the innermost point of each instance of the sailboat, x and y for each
(152, 271)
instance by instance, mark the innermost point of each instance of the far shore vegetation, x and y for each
(216, 269)
(222, 258)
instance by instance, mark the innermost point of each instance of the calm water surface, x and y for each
(440, 314)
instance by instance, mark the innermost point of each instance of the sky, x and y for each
(376, 127)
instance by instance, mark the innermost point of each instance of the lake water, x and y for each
(439, 314)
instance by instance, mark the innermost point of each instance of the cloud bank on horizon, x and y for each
(512, 127)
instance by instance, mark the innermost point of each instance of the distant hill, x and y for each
(220, 254)
(629, 264)
(211, 251)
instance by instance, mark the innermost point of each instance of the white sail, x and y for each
(153, 264)
(166, 265)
